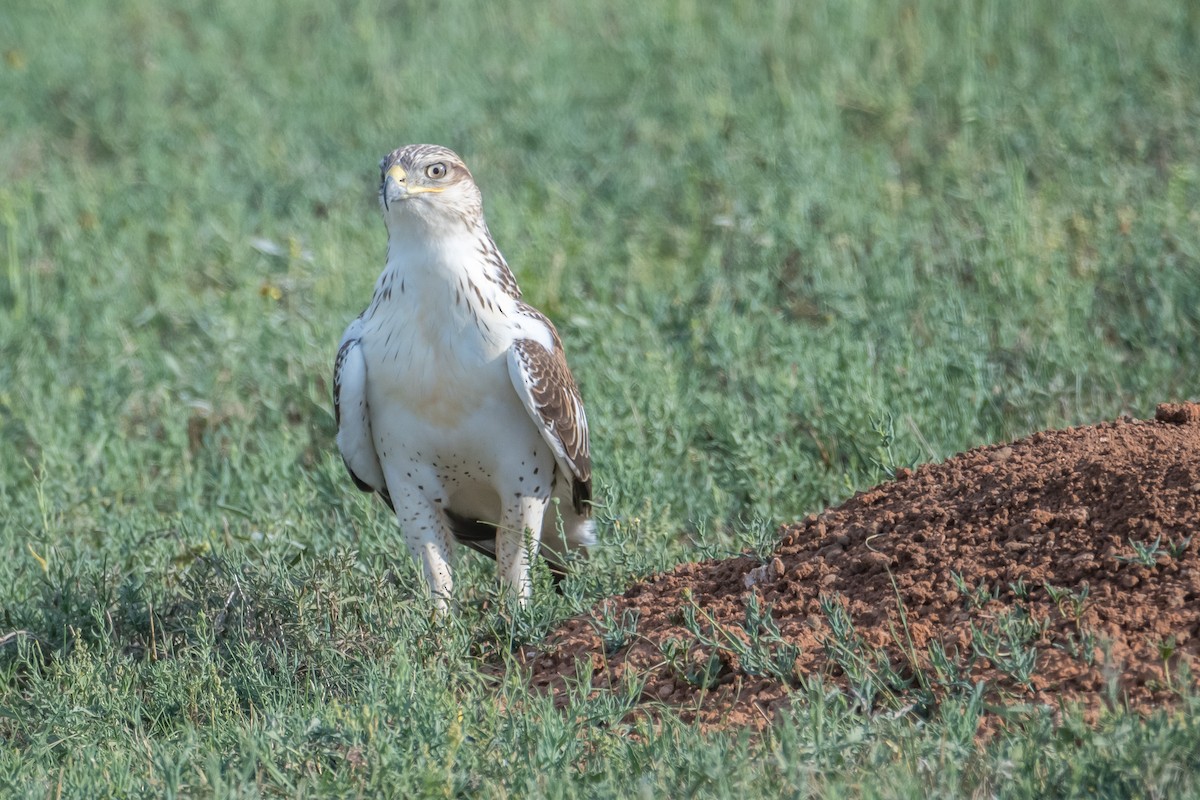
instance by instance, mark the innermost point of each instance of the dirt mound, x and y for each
(1053, 568)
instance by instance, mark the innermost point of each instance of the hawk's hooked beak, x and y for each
(395, 185)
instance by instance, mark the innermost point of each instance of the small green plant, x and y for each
(868, 670)
(950, 672)
(977, 597)
(884, 459)
(762, 536)
(616, 632)
(884, 462)
(766, 652)
(1145, 554)
(758, 535)
(1070, 604)
(703, 671)
(1177, 547)
(757, 644)
(1166, 650)
(1007, 642)
(1080, 645)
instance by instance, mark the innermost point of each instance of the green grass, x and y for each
(766, 230)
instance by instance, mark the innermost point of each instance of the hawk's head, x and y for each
(429, 183)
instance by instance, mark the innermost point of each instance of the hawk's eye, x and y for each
(437, 170)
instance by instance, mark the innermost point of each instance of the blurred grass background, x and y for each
(789, 247)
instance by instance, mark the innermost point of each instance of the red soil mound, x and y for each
(1048, 567)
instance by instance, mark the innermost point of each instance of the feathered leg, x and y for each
(427, 536)
(517, 540)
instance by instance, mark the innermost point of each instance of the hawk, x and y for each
(452, 395)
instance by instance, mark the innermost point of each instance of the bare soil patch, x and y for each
(1075, 548)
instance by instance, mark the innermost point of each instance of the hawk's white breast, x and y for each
(445, 417)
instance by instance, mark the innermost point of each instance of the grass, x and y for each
(769, 233)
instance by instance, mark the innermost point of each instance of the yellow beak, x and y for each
(396, 186)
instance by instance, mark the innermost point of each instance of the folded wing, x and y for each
(354, 438)
(549, 393)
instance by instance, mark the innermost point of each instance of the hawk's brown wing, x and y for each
(548, 390)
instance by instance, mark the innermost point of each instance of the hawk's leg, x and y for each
(517, 540)
(428, 539)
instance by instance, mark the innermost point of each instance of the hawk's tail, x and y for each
(481, 537)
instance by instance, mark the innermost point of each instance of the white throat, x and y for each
(453, 280)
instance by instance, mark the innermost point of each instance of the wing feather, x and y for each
(354, 438)
(549, 393)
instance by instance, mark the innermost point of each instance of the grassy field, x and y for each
(770, 233)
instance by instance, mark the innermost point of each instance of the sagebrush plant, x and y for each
(761, 228)
(616, 632)
(1007, 642)
(870, 673)
(757, 646)
(1145, 554)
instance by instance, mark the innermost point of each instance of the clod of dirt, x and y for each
(1052, 567)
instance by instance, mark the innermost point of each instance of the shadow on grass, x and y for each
(316, 622)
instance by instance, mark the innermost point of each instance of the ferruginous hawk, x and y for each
(453, 397)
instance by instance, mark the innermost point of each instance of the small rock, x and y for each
(764, 572)
(1001, 455)
(1178, 413)
(878, 559)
